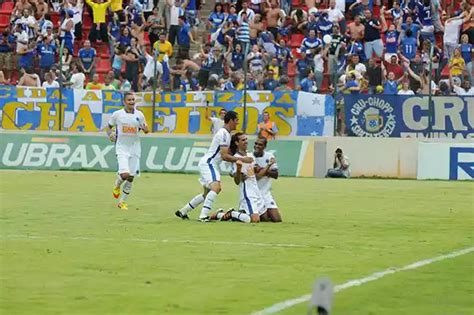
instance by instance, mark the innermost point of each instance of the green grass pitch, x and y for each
(66, 249)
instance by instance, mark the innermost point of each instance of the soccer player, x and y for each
(127, 122)
(217, 122)
(209, 170)
(266, 169)
(251, 199)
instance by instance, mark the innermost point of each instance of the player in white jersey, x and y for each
(266, 170)
(127, 122)
(217, 122)
(209, 170)
(251, 199)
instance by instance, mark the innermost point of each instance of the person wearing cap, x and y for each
(341, 166)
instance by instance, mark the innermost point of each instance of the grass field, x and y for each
(66, 248)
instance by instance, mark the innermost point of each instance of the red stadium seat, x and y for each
(103, 66)
(291, 69)
(146, 39)
(7, 8)
(103, 51)
(4, 22)
(296, 40)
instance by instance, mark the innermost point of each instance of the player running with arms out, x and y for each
(266, 170)
(251, 199)
(209, 170)
(127, 122)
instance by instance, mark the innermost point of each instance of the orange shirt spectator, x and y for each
(267, 128)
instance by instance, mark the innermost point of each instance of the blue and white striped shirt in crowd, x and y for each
(243, 34)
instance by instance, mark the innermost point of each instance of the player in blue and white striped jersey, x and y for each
(209, 169)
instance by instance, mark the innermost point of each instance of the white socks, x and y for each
(241, 216)
(196, 201)
(118, 181)
(126, 189)
(206, 208)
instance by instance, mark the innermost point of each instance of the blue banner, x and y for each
(409, 116)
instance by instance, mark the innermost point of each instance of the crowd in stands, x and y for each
(319, 46)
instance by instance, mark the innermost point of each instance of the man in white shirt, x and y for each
(463, 89)
(128, 122)
(176, 9)
(250, 13)
(217, 122)
(340, 166)
(210, 177)
(451, 35)
(335, 15)
(49, 83)
(77, 79)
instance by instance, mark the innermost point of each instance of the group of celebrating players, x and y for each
(252, 172)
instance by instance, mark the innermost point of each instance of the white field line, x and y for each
(357, 282)
(144, 240)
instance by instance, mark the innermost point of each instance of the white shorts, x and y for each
(269, 201)
(253, 205)
(128, 164)
(209, 173)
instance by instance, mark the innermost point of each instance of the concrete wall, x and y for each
(385, 157)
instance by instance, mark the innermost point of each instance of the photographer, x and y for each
(340, 167)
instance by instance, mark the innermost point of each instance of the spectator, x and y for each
(125, 38)
(390, 85)
(356, 29)
(256, 26)
(250, 13)
(341, 166)
(243, 33)
(87, 58)
(77, 78)
(28, 78)
(351, 85)
(273, 15)
(391, 42)
(156, 27)
(408, 46)
(269, 83)
(451, 35)
(284, 56)
(405, 90)
(67, 31)
(45, 23)
(216, 18)
(336, 16)
(95, 84)
(47, 54)
(373, 42)
(319, 58)
(463, 89)
(114, 32)
(374, 74)
(425, 15)
(66, 61)
(50, 82)
(310, 43)
(457, 64)
(409, 25)
(185, 38)
(255, 59)
(99, 28)
(176, 9)
(466, 52)
(393, 66)
(26, 60)
(76, 6)
(308, 84)
(132, 61)
(6, 54)
(324, 25)
(235, 57)
(335, 52)
(163, 47)
(275, 67)
(284, 84)
(108, 82)
(267, 128)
